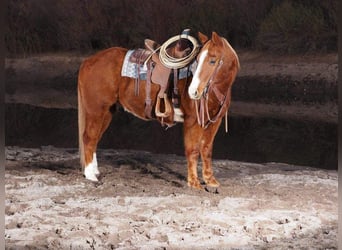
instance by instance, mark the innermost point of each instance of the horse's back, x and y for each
(99, 76)
(105, 60)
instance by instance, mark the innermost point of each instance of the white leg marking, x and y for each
(91, 170)
(195, 80)
(96, 169)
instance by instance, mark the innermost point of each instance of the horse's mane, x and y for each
(234, 52)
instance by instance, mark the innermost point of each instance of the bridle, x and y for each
(202, 105)
(209, 83)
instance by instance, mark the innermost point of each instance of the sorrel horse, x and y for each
(203, 102)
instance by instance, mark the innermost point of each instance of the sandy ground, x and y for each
(142, 202)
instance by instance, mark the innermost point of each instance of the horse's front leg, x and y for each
(192, 135)
(206, 149)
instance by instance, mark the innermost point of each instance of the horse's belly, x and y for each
(135, 101)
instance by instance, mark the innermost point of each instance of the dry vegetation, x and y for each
(81, 25)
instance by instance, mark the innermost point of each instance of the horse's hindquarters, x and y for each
(100, 77)
(98, 89)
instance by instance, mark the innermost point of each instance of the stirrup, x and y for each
(167, 105)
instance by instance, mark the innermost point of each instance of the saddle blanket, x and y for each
(130, 69)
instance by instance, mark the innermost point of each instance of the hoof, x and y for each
(212, 182)
(195, 184)
(212, 190)
(90, 173)
(96, 171)
(92, 178)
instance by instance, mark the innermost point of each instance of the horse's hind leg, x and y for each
(94, 129)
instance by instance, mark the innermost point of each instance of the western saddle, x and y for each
(168, 112)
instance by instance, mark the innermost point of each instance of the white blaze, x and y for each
(195, 80)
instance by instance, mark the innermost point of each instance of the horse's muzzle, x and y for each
(194, 94)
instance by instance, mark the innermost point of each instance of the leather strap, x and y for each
(220, 97)
(148, 101)
(175, 95)
(141, 57)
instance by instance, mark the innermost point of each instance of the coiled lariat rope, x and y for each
(177, 63)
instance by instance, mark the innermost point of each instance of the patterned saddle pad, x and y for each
(130, 69)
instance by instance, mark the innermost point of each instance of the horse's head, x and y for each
(217, 63)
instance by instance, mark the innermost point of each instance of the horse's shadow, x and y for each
(63, 167)
(148, 164)
(154, 165)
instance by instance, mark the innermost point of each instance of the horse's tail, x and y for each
(81, 126)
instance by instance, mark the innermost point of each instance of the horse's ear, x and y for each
(216, 38)
(203, 38)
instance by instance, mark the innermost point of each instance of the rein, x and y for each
(202, 105)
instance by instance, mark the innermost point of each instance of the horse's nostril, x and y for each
(193, 93)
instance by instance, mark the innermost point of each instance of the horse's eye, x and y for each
(212, 61)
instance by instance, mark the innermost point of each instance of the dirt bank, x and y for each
(143, 202)
(289, 87)
(276, 101)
